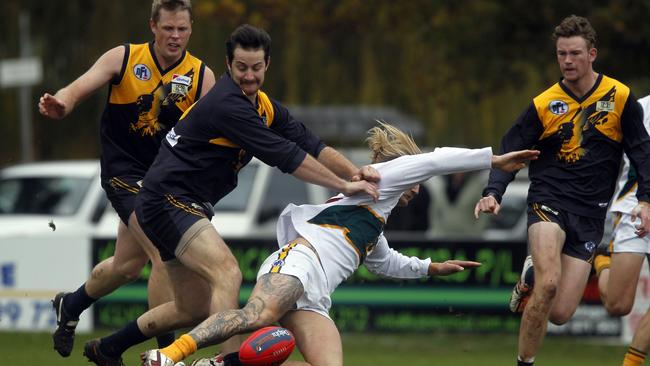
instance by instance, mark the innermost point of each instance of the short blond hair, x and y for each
(387, 142)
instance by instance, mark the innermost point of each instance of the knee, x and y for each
(111, 269)
(547, 289)
(561, 316)
(129, 270)
(259, 318)
(230, 272)
(618, 308)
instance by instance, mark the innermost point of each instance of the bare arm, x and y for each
(311, 171)
(64, 101)
(208, 81)
(508, 162)
(450, 267)
(344, 168)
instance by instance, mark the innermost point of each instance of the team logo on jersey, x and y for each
(558, 107)
(180, 84)
(604, 106)
(278, 263)
(172, 137)
(142, 72)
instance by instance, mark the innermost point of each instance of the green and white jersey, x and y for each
(624, 199)
(348, 231)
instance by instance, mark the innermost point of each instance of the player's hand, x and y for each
(51, 107)
(487, 204)
(362, 186)
(450, 267)
(642, 212)
(367, 173)
(514, 160)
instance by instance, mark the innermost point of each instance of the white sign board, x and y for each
(24, 71)
(32, 271)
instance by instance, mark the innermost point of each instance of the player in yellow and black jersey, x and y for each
(150, 86)
(581, 125)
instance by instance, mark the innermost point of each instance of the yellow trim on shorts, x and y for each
(183, 206)
(283, 254)
(539, 212)
(122, 184)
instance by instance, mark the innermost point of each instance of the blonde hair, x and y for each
(387, 142)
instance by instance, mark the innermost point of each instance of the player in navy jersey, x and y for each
(150, 86)
(197, 165)
(581, 125)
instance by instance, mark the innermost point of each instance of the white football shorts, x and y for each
(300, 261)
(625, 240)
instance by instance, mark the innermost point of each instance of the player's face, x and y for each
(171, 34)
(574, 57)
(247, 69)
(408, 196)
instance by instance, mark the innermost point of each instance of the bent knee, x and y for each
(547, 290)
(130, 270)
(258, 319)
(618, 308)
(559, 318)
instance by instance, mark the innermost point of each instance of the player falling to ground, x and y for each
(618, 276)
(581, 125)
(322, 245)
(151, 85)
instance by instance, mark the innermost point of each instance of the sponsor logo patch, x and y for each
(142, 72)
(181, 84)
(604, 106)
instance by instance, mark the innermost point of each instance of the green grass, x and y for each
(361, 349)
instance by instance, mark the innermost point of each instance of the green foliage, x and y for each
(466, 69)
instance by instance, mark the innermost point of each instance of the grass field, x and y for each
(363, 349)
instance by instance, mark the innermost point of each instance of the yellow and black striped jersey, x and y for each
(581, 142)
(144, 103)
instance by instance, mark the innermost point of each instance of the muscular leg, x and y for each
(316, 336)
(546, 240)
(617, 284)
(159, 288)
(208, 256)
(123, 267)
(573, 280)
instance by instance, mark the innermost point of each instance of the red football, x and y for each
(269, 346)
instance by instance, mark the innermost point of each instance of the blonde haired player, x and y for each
(322, 245)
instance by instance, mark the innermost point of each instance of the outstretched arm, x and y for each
(64, 101)
(344, 168)
(310, 170)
